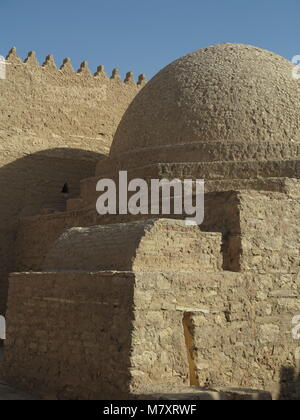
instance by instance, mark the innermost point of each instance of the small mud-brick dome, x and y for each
(211, 102)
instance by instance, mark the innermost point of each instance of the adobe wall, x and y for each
(156, 245)
(260, 229)
(270, 232)
(37, 234)
(29, 184)
(239, 327)
(55, 125)
(117, 333)
(43, 106)
(70, 334)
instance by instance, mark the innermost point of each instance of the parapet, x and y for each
(162, 244)
(67, 67)
(65, 112)
(68, 107)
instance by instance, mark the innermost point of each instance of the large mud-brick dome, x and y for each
(225, 103)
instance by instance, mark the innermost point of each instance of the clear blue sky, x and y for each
(144, 35)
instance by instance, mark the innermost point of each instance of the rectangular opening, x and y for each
(188, 327)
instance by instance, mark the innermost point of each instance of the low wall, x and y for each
(156, 245)
(69, 335)
(37, 234)
(239, 330)
(105, 335)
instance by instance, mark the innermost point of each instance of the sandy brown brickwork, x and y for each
(29, 184)
(78, 346)
(241, 328)
(210, 306)
(270, 232)
(160, 245)
(45, 107)
(246, 219)
(37, 234)
(55, 125)
(60, 321)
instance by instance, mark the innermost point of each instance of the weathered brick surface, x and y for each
(245, 220)
(45, 107)
(241, 327)
(210, 307)
(223, 93)
(55, 125)
(270, 232)
(140, 246)
(70, 334)
(37, 234)
(80, 335)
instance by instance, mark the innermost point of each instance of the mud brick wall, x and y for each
(29, 184)
(69, 335)
(270, 232)
(55, 125)
(160, 245)
(237, 329)
(260, 230)
(37, 234)
(105, 335)
(44, 106)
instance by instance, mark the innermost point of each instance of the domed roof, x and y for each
(221, 94)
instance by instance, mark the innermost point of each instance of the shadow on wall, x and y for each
(34, 182)
(85, 349)
(289, 384)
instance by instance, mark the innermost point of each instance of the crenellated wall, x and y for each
(55, 125)
(46, 106)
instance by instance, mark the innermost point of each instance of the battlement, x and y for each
(55, 124)
(67, 68)
(67, 107)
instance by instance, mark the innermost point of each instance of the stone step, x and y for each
(183, 393)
